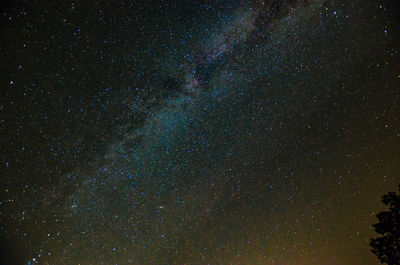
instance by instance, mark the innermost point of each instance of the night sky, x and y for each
(197, 132)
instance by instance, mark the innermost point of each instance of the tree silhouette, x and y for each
(387, 245)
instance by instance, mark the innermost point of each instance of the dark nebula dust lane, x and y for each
(196, 132)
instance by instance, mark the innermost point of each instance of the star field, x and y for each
(196, 132)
